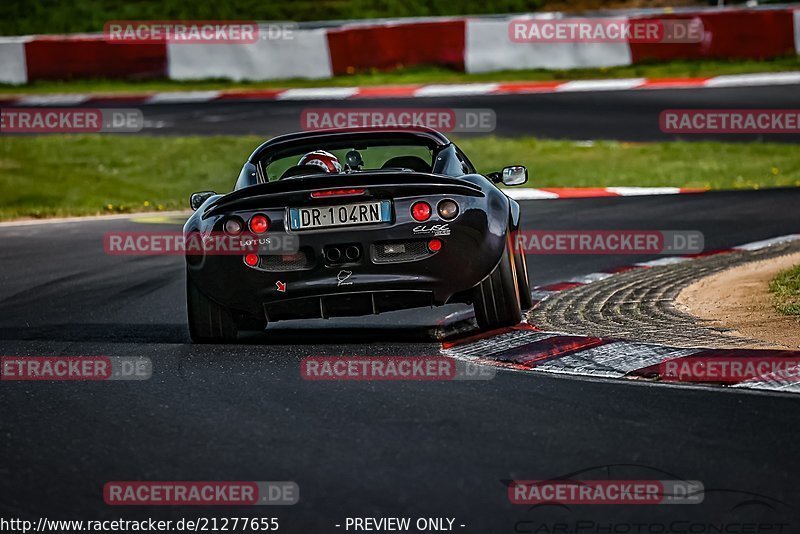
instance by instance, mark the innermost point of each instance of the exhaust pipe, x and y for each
(352, 253)
(333, 254)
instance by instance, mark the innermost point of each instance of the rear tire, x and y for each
(521, 266)
(496, 299)
(208, 321)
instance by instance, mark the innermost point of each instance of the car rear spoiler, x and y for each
(297, 191)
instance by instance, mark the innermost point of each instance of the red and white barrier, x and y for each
(304, 56)
(488, 49)
(13, 66)
(464, 44)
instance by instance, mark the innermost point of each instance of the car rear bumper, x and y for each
(395, 267)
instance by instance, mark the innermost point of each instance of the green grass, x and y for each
(419, 75)
(786, 289)
(61, 175)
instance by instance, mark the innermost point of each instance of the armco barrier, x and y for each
(465, 44)
(76, 57)
(305, 55)
(752, 34)
(389, 46)
(488, 49)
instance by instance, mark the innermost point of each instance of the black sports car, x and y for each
(405, 221)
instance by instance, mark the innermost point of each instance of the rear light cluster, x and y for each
(258, 224)
(447, 209)
(421, 211)
(234, 226)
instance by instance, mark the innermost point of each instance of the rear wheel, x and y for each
(496, 299)
(208, 321)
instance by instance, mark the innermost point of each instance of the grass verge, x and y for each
(63, 175)
(786, 289)
(418, 75)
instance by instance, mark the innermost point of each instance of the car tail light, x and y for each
(234, 226)
(251, 260)
(421, 211)
(448, 209)
(259, 223)
(337, 193)
(435, 245)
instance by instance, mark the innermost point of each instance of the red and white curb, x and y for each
(550, 193)
(526, 348)
(408, 91)
(540, 293)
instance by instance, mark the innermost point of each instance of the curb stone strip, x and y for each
(413, 91)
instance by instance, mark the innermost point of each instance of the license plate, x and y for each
(347, 215)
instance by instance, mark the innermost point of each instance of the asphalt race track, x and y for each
(415, 449)
(625, 115)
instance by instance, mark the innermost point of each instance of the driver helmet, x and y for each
(322, 159)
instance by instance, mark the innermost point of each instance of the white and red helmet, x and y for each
(322, 159)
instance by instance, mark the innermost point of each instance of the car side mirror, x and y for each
(514, 175)
(197, 199)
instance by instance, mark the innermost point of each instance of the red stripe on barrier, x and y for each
(735, 34)
(528, 87)
(258, 94)
(387, 47)
(67, 58)
(387, 91)
(673, 82)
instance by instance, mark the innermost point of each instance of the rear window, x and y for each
(377, 157)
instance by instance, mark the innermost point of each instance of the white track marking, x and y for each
(640, 191)
(528, 193)
(758, 245)
(53, 100)
(178, 97)
(318, 93)
(744, 80)
(600, 85)
(457, 89)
